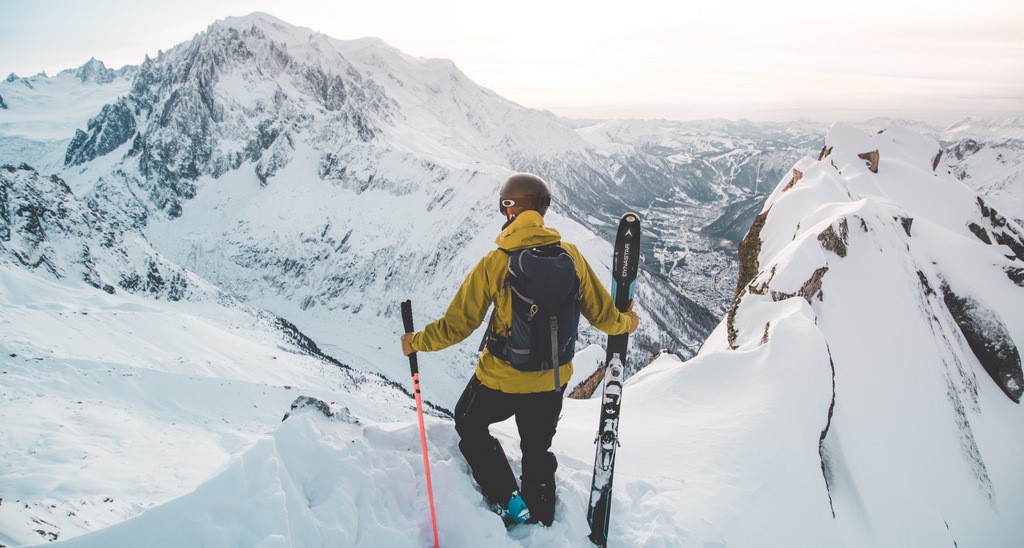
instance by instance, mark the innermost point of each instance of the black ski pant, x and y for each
(536, 417)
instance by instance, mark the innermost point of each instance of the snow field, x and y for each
(114, 403)
(119, 406)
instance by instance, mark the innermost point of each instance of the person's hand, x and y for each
(633, 318)
(407, 344)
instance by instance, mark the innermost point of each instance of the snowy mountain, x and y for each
(710, 178)
(44, 227)
(908, 286)
(232, 224)
(39, 114)
(274, 162)
(988, 156)
(860, 392)
(109, 350)
(687, 179)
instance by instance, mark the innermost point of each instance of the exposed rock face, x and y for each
(964, 149)
(309, 403)
(93, 71)
(989, 340)
(45, 227)
(797, 175)
(586, 389)
(113, 127)
(1015, 273)
(750, 248)
(1003, 231)
(810, 290)
(180, 121)
(835, 240)
(872, 159)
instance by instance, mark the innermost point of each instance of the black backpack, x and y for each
(545, 311)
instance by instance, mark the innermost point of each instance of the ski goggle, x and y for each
(504, 203)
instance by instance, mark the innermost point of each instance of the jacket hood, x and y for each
(527, 230)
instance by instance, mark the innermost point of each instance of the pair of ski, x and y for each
(625, 262)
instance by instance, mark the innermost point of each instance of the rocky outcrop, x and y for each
(1003, 231)
(46, 228)
(834, 239)
(750, 248)
(797, 175)
(113, 127)
(989, 340)
(586, 389)
(872, 160)
(309, 403)
(810, 290)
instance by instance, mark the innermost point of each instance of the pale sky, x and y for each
(931, 60)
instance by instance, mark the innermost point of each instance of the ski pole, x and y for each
(415, 369)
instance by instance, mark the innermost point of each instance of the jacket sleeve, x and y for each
(598, 307)
(465, 313)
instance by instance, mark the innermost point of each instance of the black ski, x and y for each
(625, 261)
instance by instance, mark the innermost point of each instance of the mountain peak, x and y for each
(273, 27)
(992, 127)
(254, 18)
(92, 70)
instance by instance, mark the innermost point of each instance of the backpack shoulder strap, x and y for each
(494, 309)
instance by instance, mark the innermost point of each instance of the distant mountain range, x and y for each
(214, 149)
(250, 206)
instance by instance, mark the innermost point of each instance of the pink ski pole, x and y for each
(414, 367)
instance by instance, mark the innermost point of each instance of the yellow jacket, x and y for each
(484, 286)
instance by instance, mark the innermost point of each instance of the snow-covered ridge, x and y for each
(843, 402)
(326, 179)
(277, 163)
(914, 283)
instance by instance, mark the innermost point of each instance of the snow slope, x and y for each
(840, 403)
(858, 392)
(923, 442)
(113, 402)
(42, 113)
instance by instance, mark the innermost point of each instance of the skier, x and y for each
(498, 390)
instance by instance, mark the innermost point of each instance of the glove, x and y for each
(633, 319)
(407, 344)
